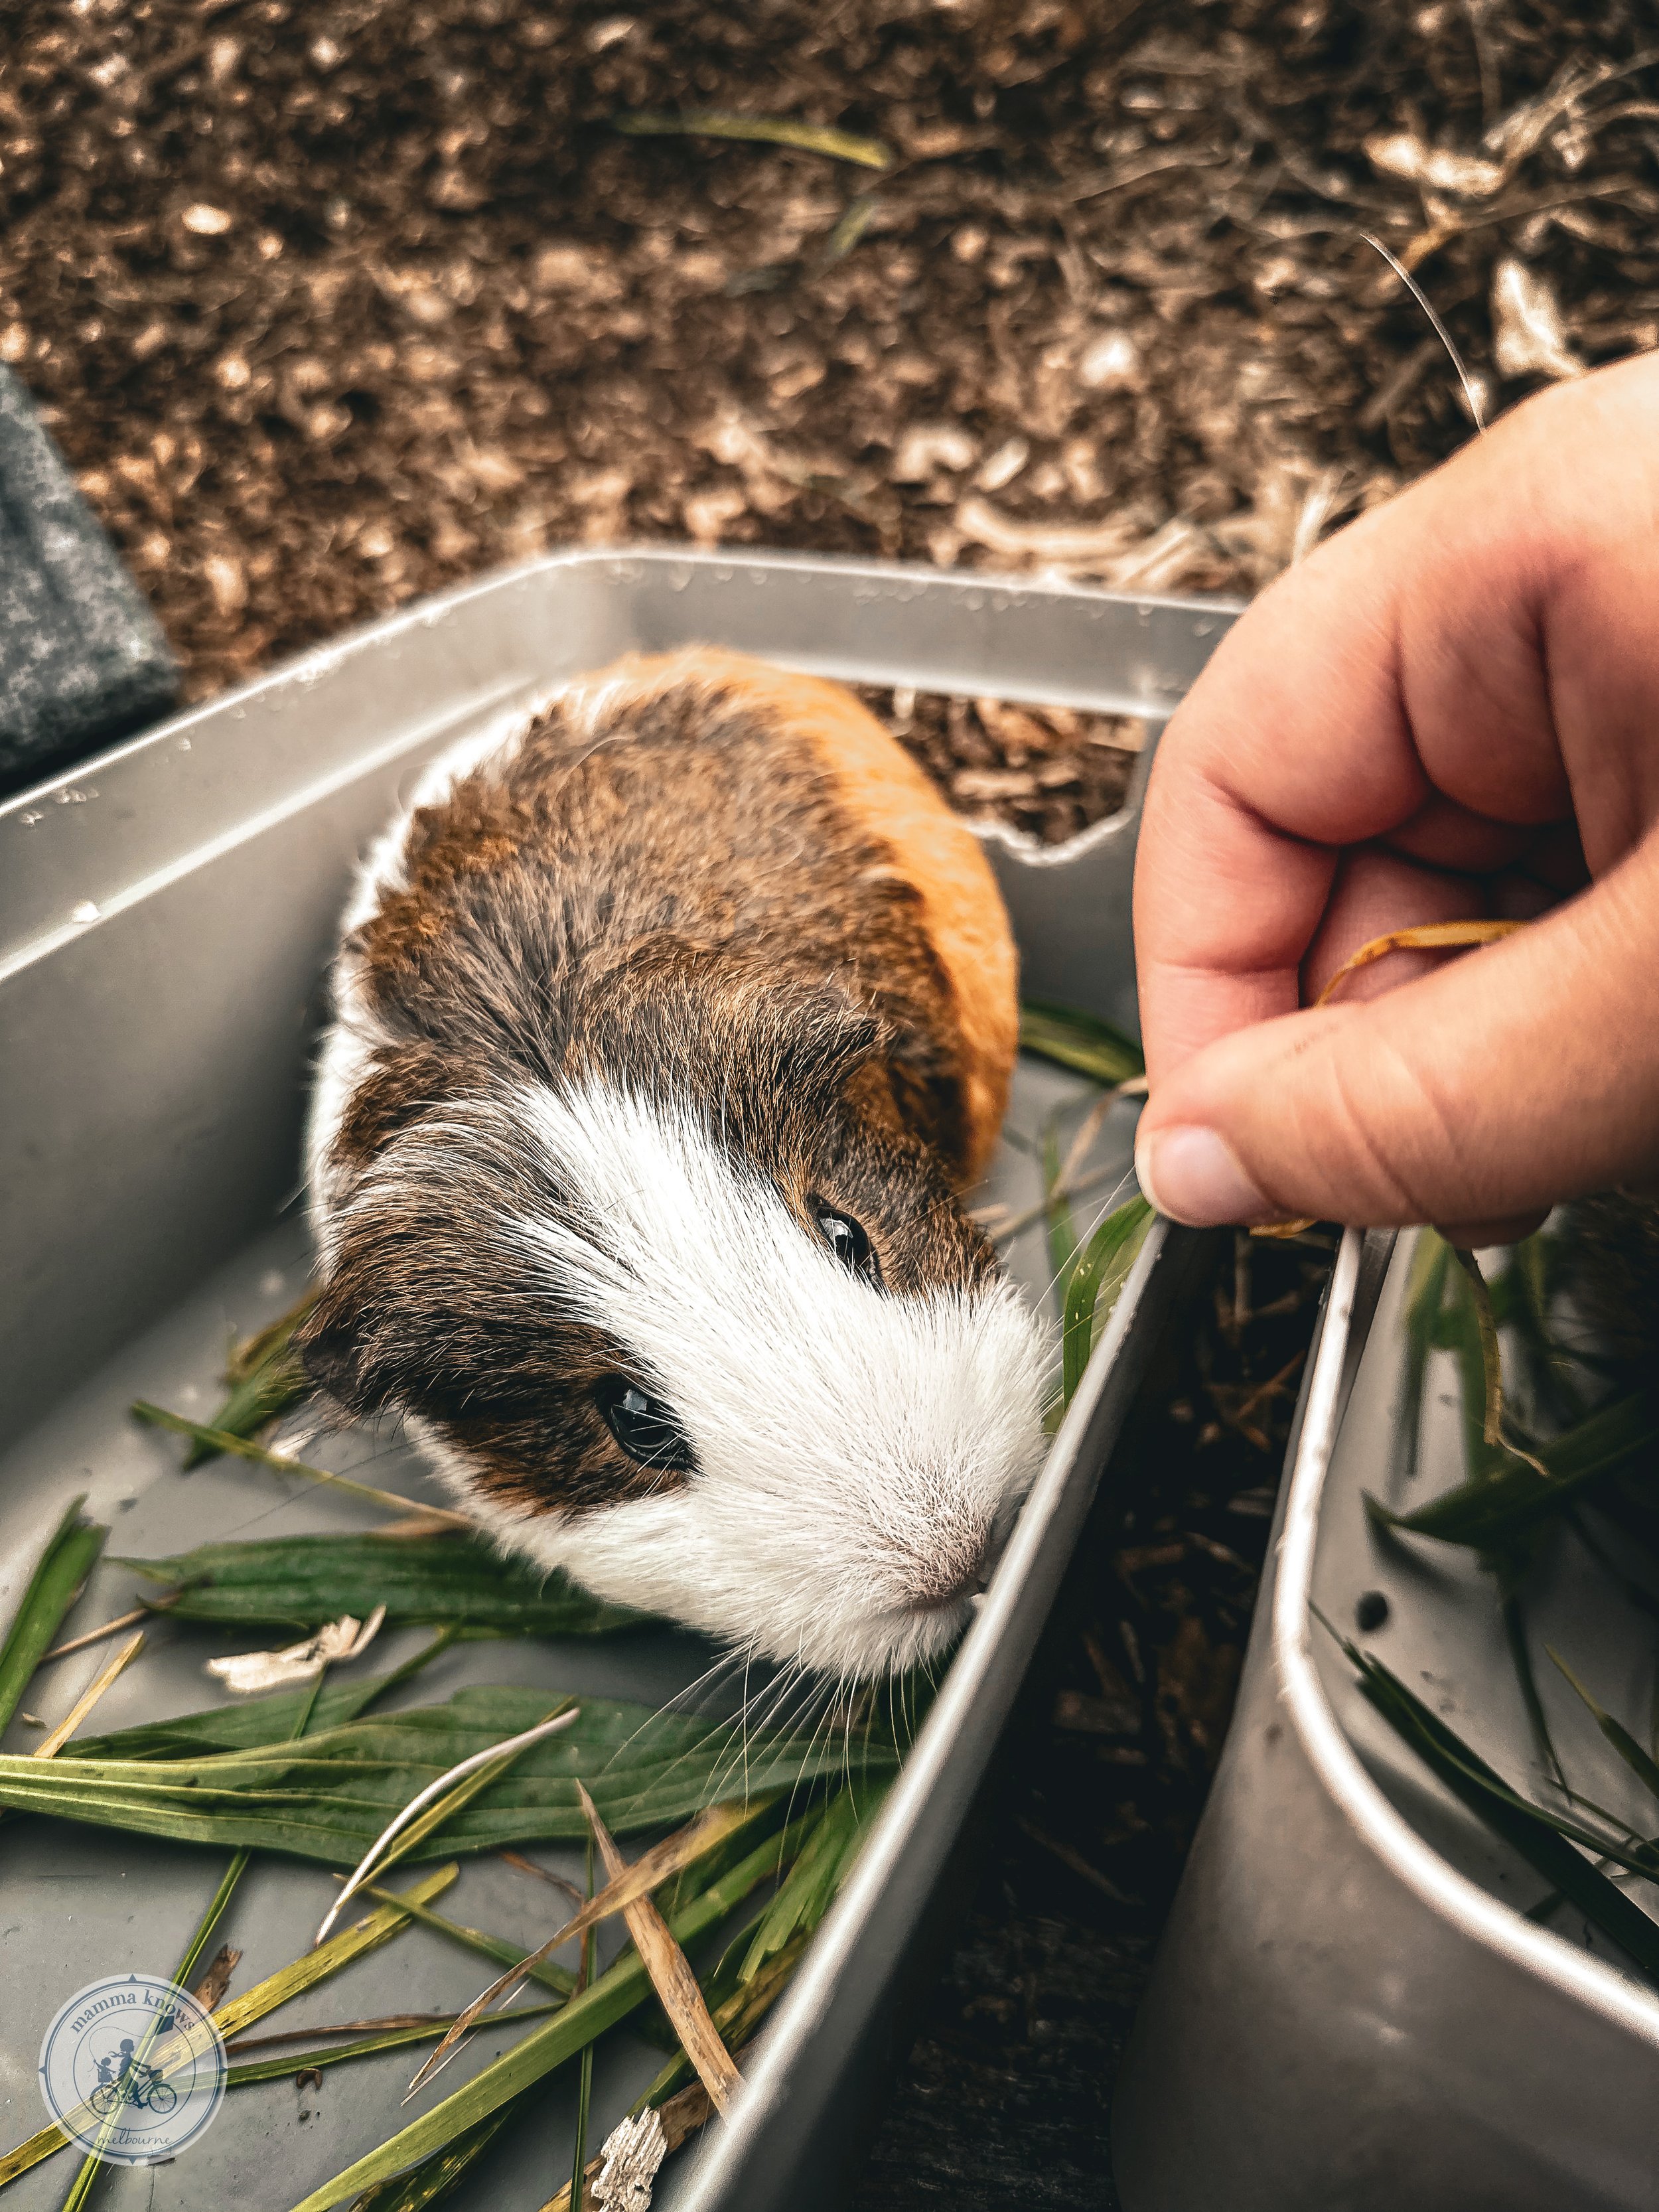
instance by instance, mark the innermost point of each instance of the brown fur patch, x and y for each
(879, 788)
(701, 806)
(396, 1089)
(428, 1309)
(669, 883)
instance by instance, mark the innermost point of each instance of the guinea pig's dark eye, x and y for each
(644, 1428)
(847, 1241)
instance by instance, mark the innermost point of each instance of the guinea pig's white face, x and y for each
(848, 1457)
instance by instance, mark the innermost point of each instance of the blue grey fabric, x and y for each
(83, 660)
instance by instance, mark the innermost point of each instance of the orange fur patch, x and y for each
(883, 790)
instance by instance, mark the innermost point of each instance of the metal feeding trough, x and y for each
(1351, 2011)
(165, 918)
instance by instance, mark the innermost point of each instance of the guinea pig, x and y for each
(669, 1029)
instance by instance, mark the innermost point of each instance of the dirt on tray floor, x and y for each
(332, 302)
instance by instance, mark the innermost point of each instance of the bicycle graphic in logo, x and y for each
(132, 2069)
(131, 2081)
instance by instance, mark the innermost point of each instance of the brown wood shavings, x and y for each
(332, 302)
(1044, 770)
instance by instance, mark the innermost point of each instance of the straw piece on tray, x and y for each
(655, 1867)
(670, 1976)
(88, 1697)
(460, 1785)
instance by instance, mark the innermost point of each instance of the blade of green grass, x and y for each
(716, 1839)
(304, 1582)
(1426, 1294)
(1057, 1214)
(829, 1847)
(369, 2046)
(267, 1379)
(1095, 1281)
(1078, 1041)
(585, 2087)
(271, 1718)
(433, 2179)
(86, 2180)
(444, 1809)
(332, 1796)
(1515, 1633)
(1492, 1358)
(505, 1954)
(824, 1862)
(1543, 1839)
(610, 1998)
(1640, 1764)
(1521, 1295)
(1487, 1515)
(1458, 1330)
(209, 1442)
(70, 1553)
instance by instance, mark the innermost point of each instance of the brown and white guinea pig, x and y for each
(669, 1029)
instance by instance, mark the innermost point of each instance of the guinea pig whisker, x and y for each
(818, 1726)
(727, 1663)
(846, 1738)
(1109, 1204)
(777, 1694)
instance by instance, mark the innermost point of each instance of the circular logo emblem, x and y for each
(133, 2068)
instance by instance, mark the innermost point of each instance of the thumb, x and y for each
(1476, 1096)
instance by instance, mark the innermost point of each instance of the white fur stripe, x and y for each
(856, 1450)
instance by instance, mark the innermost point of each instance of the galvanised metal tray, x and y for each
(164, 920)
(1350, 2011)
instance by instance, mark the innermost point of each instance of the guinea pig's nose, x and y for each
(940, 1584)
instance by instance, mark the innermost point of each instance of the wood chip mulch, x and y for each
(332, 302)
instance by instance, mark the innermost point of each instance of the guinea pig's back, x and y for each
(700, 798)
(888, 839)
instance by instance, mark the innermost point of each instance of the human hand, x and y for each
(1451, 710)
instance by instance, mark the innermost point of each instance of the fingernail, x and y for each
(1193, 1176)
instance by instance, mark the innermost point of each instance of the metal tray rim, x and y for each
(1391, 1839)
(758, 560)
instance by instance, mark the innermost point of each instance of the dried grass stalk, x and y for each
(670, 1977)
(89, 1697)
(671, 1856)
